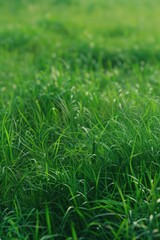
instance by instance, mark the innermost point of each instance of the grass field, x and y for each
(79, 120)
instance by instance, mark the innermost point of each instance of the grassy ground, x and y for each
(79, 119)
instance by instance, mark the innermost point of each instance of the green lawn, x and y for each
(79, 120)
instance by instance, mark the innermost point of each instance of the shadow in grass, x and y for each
(13, 39)
(119, 32)
(84, 55)
(52, 25)
(65, 2)
(22, 41)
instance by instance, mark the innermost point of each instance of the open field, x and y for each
(79, 120)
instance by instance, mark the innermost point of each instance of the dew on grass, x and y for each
(151, 218)
(158, 200)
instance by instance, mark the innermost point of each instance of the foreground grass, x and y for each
(79, 122)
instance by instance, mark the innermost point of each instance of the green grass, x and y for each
(79, 120)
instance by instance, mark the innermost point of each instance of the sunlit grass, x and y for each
(80, 120)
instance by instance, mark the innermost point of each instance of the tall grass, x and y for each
(79, 120)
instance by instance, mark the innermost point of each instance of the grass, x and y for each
(79, 120)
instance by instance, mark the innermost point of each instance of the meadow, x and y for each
(79, 120)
